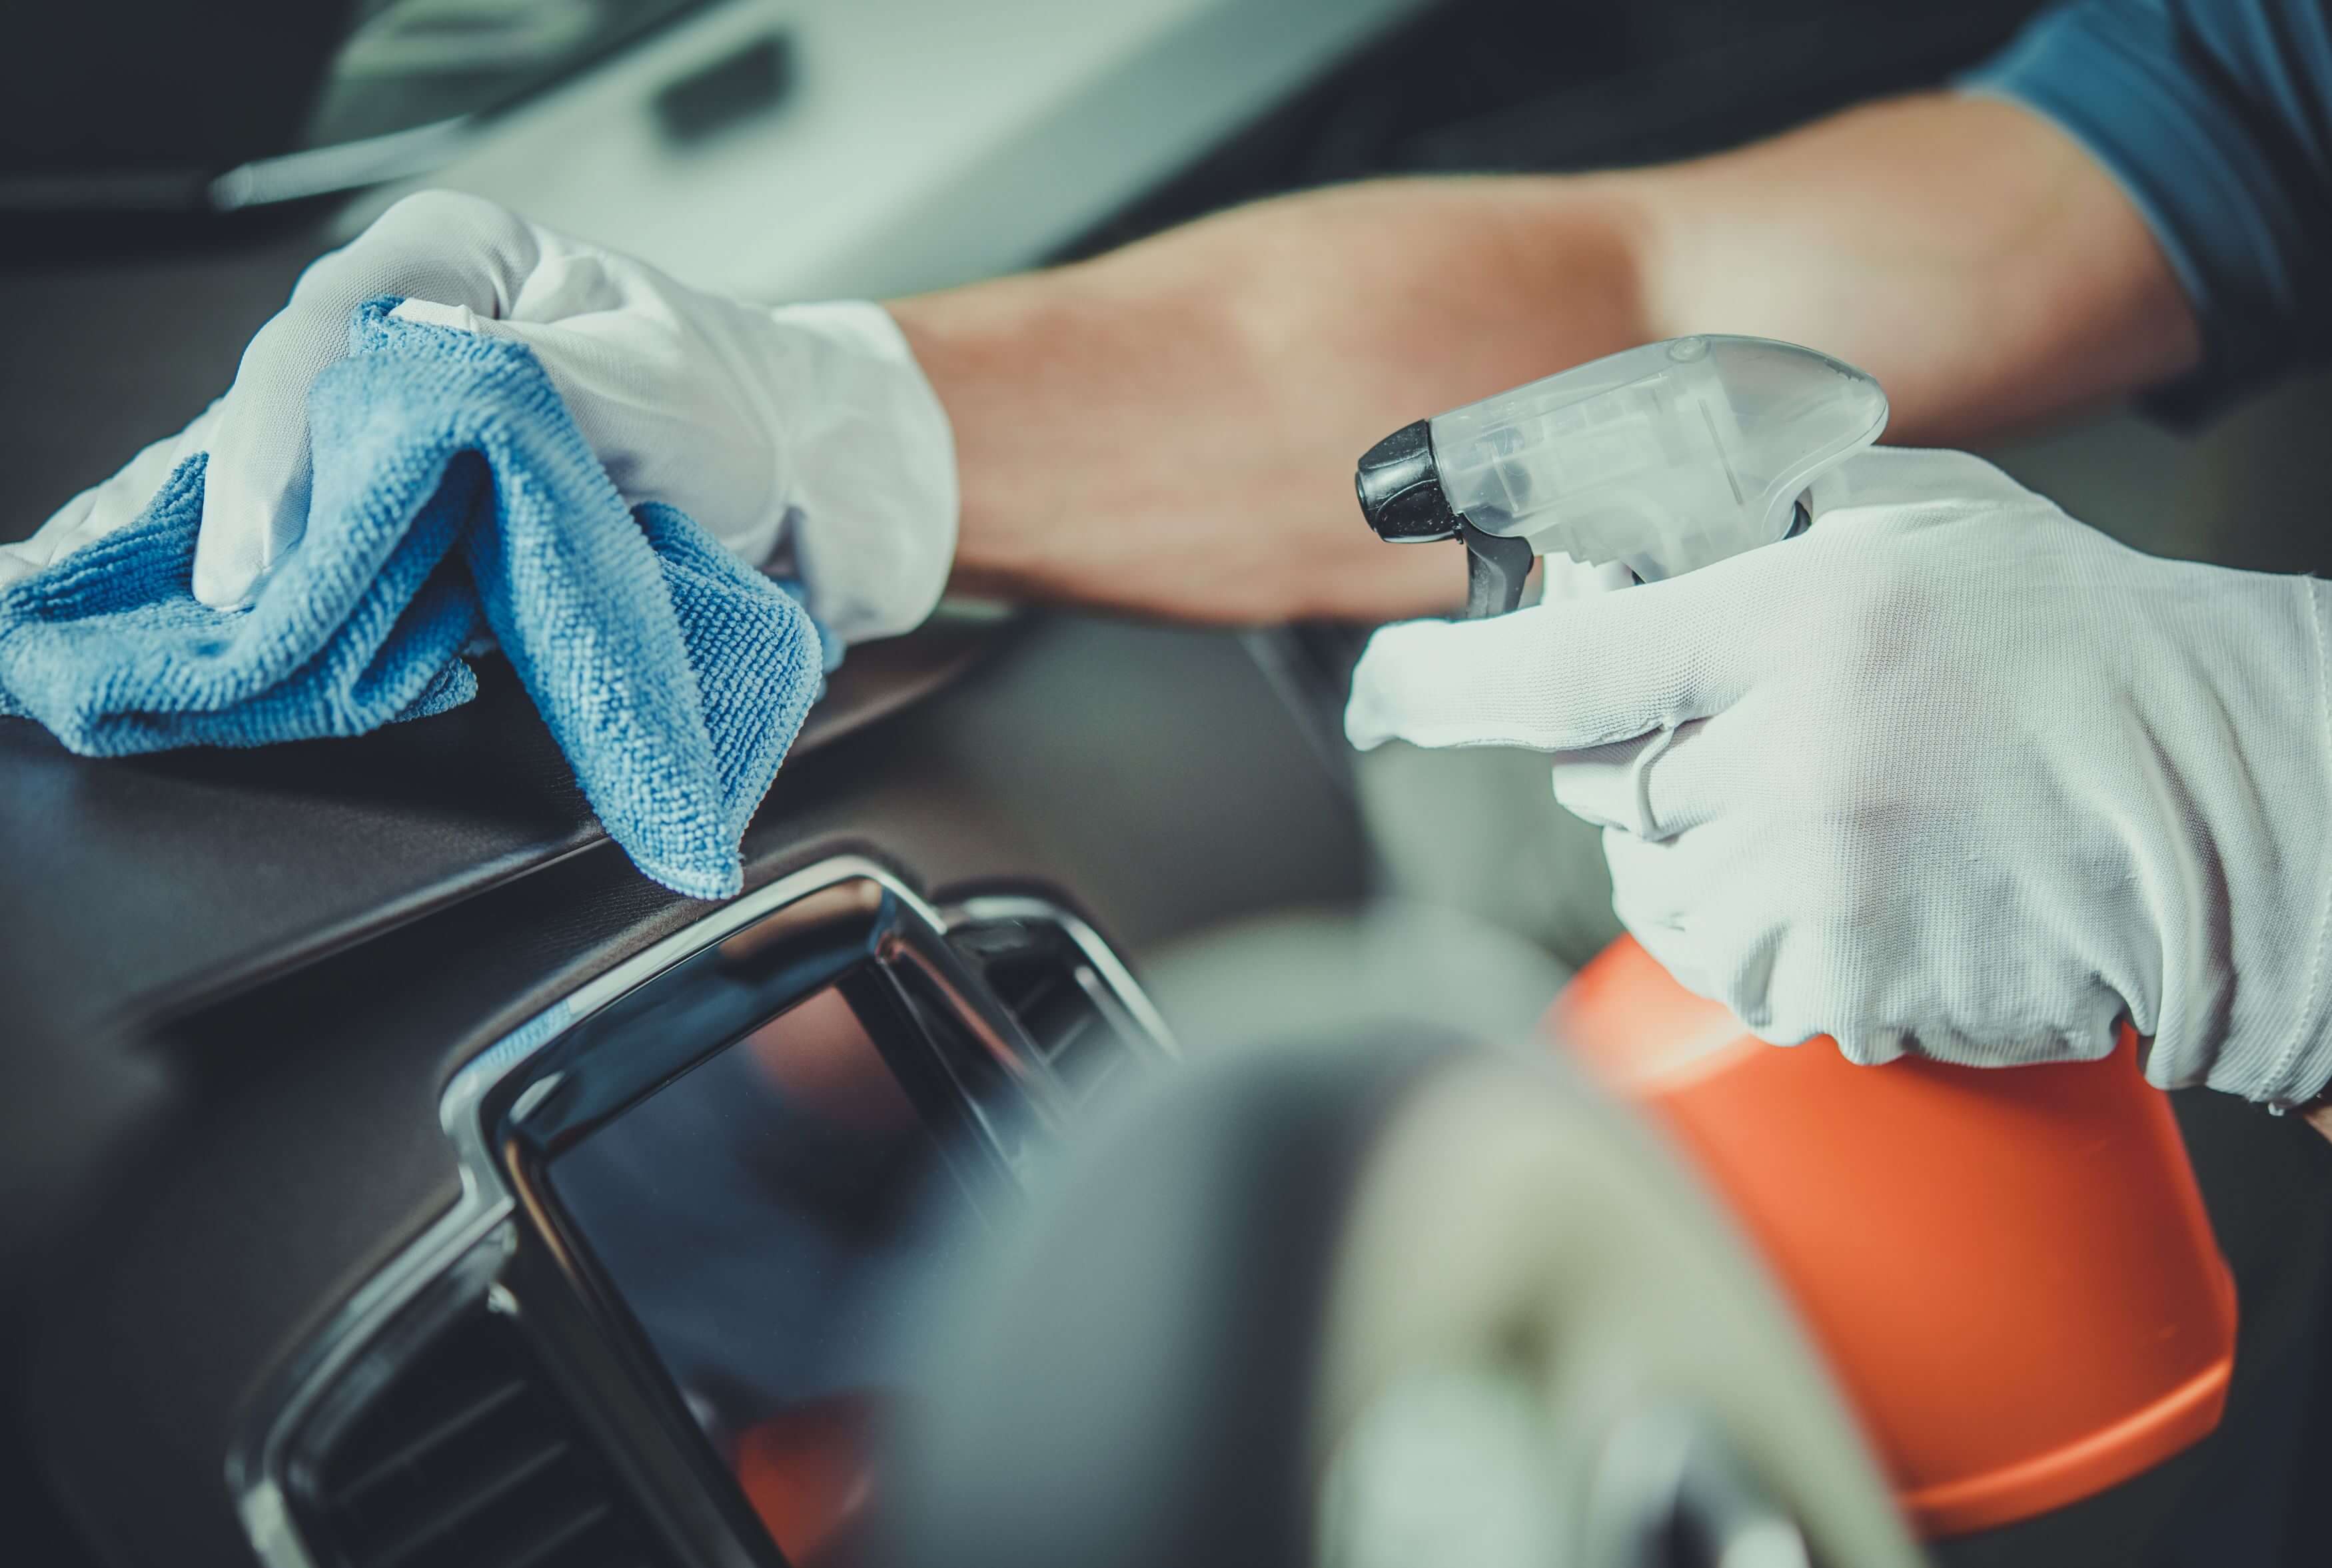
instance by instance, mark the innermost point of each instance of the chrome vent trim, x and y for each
(451, 1268)
(1083, 1017)
(468, 1456)
(460, 1250)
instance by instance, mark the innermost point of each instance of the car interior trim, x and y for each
(460, 1258)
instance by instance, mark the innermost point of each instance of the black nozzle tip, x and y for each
(1400, 489)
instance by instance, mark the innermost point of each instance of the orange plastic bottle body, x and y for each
(2010, 1269)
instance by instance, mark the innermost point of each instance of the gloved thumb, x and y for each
(1564, 676)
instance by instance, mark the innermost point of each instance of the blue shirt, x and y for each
(2216, 117)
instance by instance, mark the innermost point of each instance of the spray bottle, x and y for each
(2010, 1269)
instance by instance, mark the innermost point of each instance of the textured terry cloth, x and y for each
(453, 496)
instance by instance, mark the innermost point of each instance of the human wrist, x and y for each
(1048, 381)
(961, 349)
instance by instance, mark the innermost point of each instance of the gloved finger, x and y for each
(1658, 786)
(1653, 880)
(455, 249)
(1603, 784)
(1569, 676)
(104, 507)
(1715, 938)
(1714, 883)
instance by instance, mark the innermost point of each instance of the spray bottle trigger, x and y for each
(1496, 571)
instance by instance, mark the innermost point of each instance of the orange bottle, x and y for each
(2010, 1269)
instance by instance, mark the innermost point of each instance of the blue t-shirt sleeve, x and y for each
(2216, 117)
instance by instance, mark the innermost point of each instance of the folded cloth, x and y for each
(453, 496)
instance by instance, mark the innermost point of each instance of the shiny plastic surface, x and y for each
(1664, 457)
(2010, 1269)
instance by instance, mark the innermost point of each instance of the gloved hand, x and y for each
(807, 426)
(1951, 775)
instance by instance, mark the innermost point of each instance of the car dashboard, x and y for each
(278, 1221)
(367, 1114)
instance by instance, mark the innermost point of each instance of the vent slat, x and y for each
(1089, 1055)
(408, 1456)
(559, 1538)
(1045, 982)
(459, 1509)
(467, 1456)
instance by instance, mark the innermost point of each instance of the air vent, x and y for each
(1076, 1025)
(467, 1458)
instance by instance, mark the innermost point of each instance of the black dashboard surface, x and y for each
(127, 880)
(224, 1072)
(133, 889)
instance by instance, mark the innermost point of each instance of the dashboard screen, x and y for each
(767, 1216)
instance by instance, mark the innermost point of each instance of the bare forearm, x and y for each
(1968, 253)
(1169, 429)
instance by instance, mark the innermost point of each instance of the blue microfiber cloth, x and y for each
(453, 496)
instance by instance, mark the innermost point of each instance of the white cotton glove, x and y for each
(1951, 775)
(808, 427)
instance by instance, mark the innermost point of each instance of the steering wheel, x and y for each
(1395, 1303)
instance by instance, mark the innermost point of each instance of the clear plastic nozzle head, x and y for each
(1664, 457)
